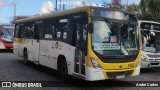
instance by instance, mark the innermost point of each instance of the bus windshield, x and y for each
(7, 34)
(150, 36)
(115, 39)
(150, 41)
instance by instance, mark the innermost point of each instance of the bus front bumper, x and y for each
(9, 46)
(148, 64)
(93, 74)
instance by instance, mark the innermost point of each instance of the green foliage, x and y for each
(150, 6)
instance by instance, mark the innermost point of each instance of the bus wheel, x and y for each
(62, 69)
(25, 57)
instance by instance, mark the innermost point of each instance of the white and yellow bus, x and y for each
(92, 43)
(150, 32)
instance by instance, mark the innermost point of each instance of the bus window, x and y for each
(16, 31)
(48, 29)
(62, 29)
(27, 31)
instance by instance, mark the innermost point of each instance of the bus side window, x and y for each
(62, 28)
(81, 35)
(78, 34)
(48, 29)
(53, 31)
(17, 31)
(27, 30)
(84, 32)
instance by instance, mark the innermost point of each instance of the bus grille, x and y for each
(154, 63)
(153, 56)
(113, 75)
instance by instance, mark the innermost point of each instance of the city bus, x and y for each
(6, 36)
(91, 43)
(150, 34)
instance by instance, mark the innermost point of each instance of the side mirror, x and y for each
(90, 27)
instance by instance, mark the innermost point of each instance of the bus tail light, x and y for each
(95, 63)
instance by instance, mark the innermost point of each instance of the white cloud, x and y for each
(93, 4)
(2, 3)
(80, 3)
(46, 7)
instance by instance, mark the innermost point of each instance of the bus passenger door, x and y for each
(35, 42)
(80, 44)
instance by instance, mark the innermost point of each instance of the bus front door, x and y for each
(80, 43)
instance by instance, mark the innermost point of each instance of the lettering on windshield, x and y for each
(106, 46)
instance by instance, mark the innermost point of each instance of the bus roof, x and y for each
(71, 11)
(75, 10)
(145, 21)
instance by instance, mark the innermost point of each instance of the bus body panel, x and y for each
(6, 36)
(16, 42)
(2, 45)
(152, 58)
(50, 51)
(151, 61)
(46, 52)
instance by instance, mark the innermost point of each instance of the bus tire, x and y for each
(25, 57)
(62, 69)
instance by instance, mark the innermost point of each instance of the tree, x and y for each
(134, 8)
(116, 2)
(152, 6)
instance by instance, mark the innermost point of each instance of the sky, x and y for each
(33, 7)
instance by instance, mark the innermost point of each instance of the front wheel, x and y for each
(63, 70)
(25, 57)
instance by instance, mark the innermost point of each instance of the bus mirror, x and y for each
(90, 27)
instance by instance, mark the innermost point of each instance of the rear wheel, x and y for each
(63, 70)
(25, 57)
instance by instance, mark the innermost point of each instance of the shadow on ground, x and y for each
(6, 51)
(76, 82)
(150, 70)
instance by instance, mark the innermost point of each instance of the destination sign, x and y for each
(145, 26)
(156, 26)
(8, 27)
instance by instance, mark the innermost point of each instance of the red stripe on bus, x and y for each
(6, 44)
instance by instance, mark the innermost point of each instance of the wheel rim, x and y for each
(63, 70)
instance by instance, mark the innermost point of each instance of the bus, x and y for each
(6, 36)
(150, 34)
(91, 43)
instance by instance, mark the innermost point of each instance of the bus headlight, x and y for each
(143, 58)
(95, 63)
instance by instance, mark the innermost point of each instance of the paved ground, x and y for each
(12, 69)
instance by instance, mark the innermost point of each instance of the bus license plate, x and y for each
(120, 76)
